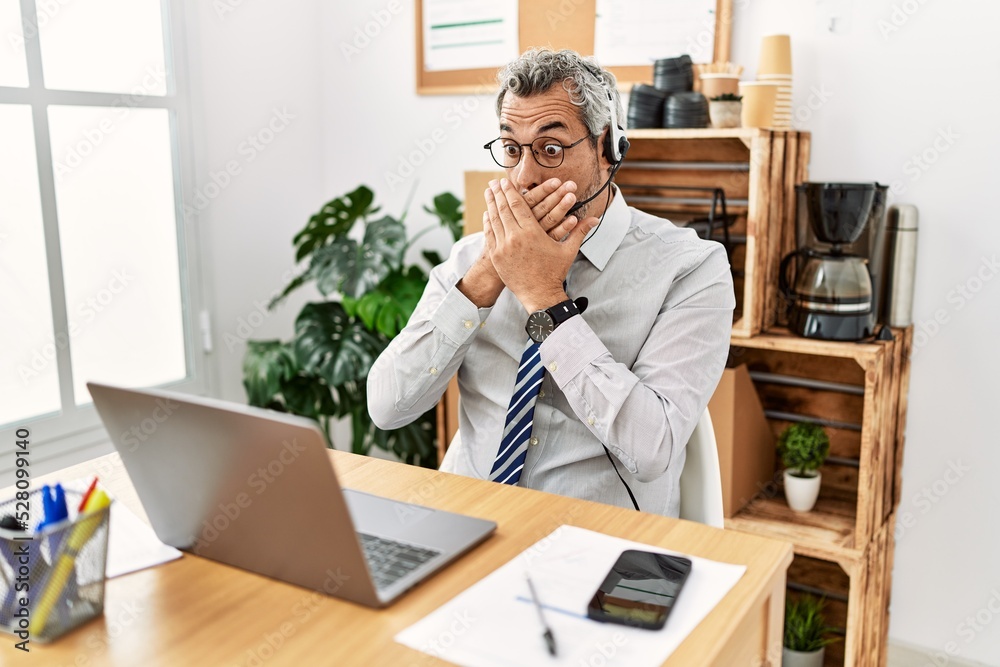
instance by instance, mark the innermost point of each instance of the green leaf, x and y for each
(433, 257)
(354, 269)
(331, 345)
(448, 209)
(308, 396)
(803, 446)
(266, 366)
(388, 308)
(335, 219)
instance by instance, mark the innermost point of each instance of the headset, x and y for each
(615, 142)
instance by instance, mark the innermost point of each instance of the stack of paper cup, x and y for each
(759, 99)
(775, 66)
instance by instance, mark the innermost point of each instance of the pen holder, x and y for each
(52, 580)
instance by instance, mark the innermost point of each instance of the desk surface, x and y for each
(195, 611)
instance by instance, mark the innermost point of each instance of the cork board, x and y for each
(557, 24)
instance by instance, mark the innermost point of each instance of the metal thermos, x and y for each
(901, 247)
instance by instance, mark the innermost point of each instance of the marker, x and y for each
(86, 495)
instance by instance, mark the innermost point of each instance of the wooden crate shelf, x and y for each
(844, 547)
(857, 390)
(757, 169)
(857, 591)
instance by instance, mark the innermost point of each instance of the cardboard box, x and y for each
(744, 438)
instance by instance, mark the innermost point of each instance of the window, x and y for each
(94, 272)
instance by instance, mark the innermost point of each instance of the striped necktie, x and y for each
(520, 414)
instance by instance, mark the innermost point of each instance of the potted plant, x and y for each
(357, 263)
(724, 110)
(803, 448)
(806, 632)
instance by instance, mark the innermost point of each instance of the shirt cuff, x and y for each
(569, 349)
(458, 318)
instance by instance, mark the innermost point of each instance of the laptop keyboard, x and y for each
(389, 560)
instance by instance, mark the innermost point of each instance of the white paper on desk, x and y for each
(132, 545)
(637, 32)
(494, 623)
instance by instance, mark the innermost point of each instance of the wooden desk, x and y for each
(198, 612)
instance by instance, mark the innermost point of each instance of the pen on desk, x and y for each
(550, 639)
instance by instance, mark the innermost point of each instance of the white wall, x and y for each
(257, 73)
(888, 98)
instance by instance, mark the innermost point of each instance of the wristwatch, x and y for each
(542, 323)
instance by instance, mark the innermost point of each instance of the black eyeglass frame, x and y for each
(489, 147)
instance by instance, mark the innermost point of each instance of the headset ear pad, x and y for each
(609, 151)
(623, 145)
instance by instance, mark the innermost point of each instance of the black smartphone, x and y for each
(640, 589)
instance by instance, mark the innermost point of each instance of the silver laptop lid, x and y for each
(249, 487)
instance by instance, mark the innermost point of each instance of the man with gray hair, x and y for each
(587, 336)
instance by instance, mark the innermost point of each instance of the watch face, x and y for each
(539, 326)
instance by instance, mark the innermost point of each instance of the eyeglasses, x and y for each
(548, 152)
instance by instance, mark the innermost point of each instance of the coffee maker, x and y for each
(834, 280)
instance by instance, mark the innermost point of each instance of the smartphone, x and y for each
(640, 589)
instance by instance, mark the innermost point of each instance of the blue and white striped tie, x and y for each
(520, 415)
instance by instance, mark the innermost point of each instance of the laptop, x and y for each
(256, 489)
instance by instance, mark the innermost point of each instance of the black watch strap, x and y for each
(567, 309)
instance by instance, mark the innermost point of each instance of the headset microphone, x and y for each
(615, 146)
(580, 204)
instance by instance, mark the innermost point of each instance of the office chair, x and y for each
(701, 481)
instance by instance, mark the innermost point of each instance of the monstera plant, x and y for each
(357, 263)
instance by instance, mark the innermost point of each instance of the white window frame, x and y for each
(75, 433)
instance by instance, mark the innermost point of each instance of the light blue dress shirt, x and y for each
(634, 372)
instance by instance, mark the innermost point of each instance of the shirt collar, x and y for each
(604, 239)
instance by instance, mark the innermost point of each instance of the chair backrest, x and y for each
(701, 480)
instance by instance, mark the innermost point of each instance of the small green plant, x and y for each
(803, 448)
(805, 625)
(727, 97)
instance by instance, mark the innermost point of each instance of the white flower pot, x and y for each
(725, 113)
(790, 658)
(801, 492)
